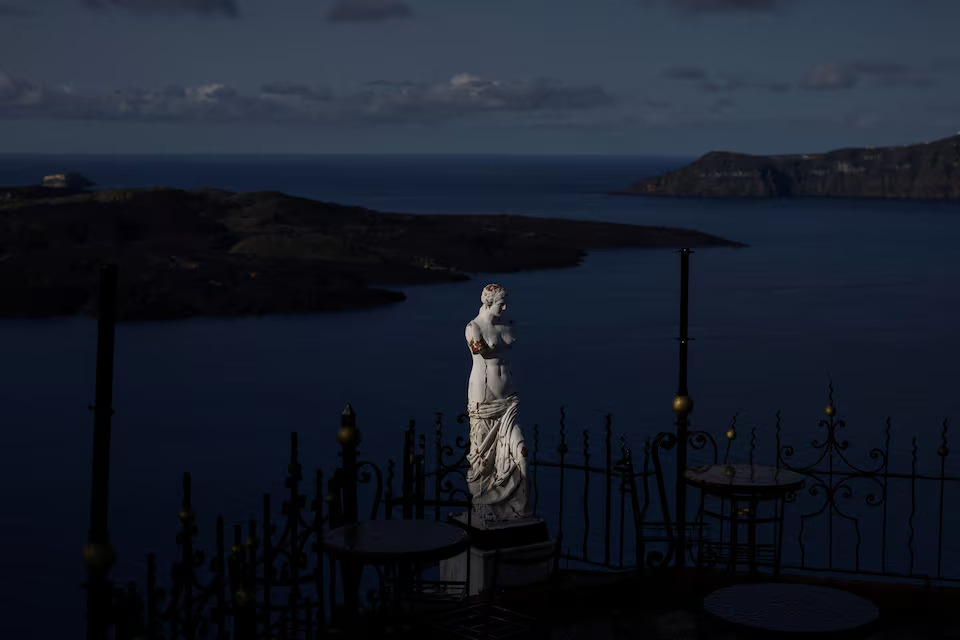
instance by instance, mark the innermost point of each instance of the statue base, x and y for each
(516, 538)
(502, 534)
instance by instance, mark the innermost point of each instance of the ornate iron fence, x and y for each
(602, 519)
(267, 585)
(833, 479)
(825, 533)
(272, 580)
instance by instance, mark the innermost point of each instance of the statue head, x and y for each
(494, 299)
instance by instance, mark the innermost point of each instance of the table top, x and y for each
(794, 608)
(744, 479)
(392, 540)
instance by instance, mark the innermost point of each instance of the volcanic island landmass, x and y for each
(208, 252)
(922, 171)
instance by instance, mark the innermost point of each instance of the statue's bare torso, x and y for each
(490, 344)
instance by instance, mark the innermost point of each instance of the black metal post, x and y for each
(99, 555)
(407, 481)
(349, 438)
(682, 406)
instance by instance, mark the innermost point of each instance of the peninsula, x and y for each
(211, 252)
(929, 171)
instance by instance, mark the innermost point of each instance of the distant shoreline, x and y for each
(210, 252)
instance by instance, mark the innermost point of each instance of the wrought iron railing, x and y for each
(601, 496)
(825, 533)
(833, 478)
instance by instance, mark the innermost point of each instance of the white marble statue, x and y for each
(498, 456)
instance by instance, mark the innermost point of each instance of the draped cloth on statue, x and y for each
(497, 477)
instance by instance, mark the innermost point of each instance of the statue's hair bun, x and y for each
(491, 293)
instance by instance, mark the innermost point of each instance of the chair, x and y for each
(503, 610)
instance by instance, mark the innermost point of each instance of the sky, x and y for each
(638, 77)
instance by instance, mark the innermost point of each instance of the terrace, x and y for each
(648, 540)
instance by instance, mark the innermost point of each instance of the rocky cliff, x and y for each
(928, 170)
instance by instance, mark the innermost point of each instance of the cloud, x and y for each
(210, 8)
(737, 83)
(293, 89)
(368, 11)
(15, 91)
(468, 94)
(724, 82)
(832, 76)
(684, 72)
(10, 11)
(462, 96)
(730, 82)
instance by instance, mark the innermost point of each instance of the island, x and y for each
(927, 171)
(183, 253)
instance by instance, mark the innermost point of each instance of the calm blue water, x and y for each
(859, 292)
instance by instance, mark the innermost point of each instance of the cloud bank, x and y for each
(723, 83)
(209, 8)
(733, 82)
(834, 76)
(462, 96)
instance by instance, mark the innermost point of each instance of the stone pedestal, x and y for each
(517, 538)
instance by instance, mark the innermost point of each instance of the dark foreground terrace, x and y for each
(668, 605)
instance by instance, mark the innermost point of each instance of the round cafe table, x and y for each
(745, 486)
(781, 610)
(389, 542)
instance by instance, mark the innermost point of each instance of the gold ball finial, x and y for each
(348, 436)
(99, 556)
(682, 405)
(732, 434)
(242, 597)
(831, 411)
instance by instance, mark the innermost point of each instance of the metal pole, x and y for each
(349, 438)
(682, 406)
(99, 555)
(684, 312)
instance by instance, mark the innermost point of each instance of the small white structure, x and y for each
(66, 181)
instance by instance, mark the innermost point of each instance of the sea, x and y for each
(860, 294)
